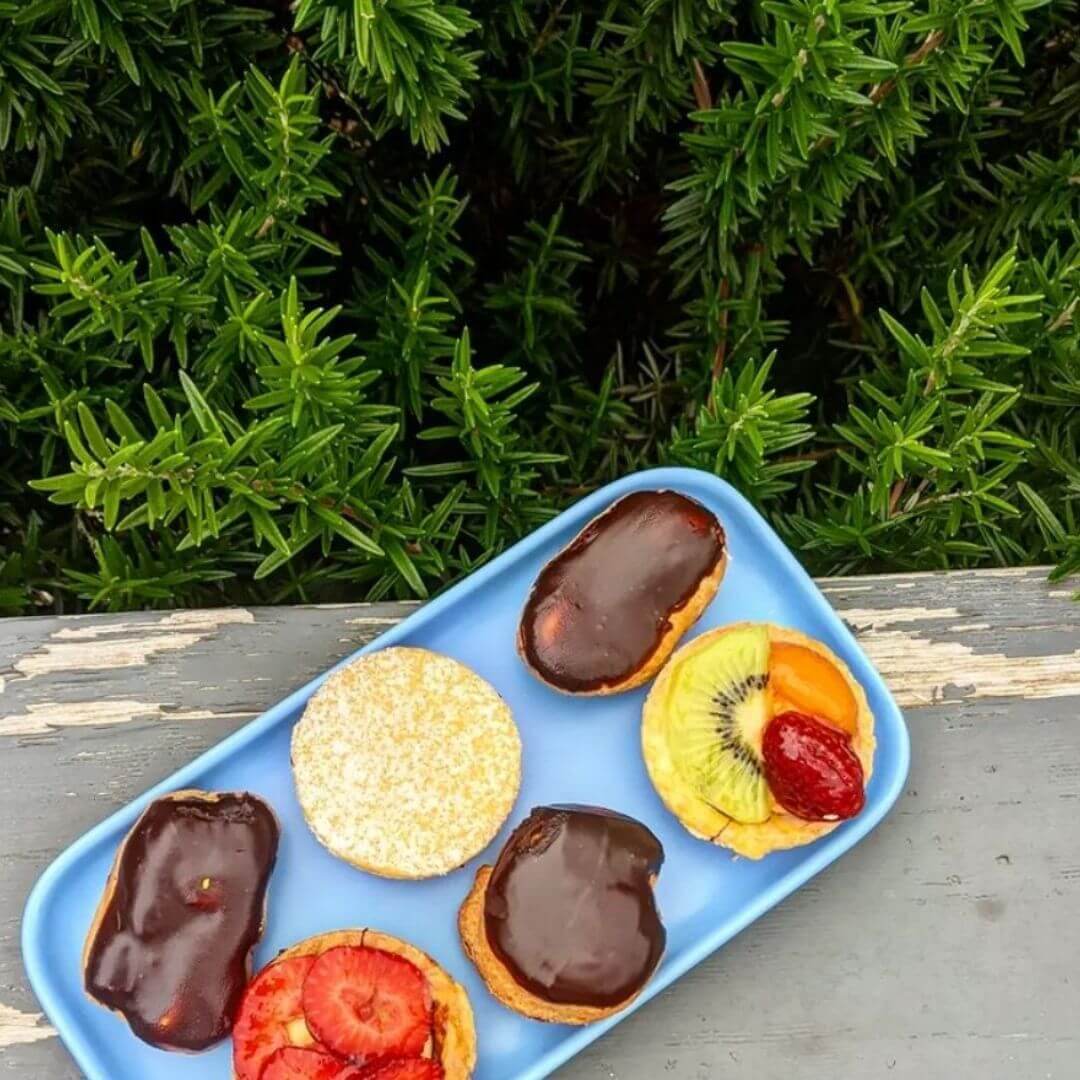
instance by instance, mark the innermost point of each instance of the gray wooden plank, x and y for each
(943, 945)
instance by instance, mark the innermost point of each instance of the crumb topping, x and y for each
(406, 763)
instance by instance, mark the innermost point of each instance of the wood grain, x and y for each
(945, 944)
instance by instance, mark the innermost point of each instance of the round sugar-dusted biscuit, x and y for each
(406, 763)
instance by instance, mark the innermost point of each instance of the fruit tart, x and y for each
(758, 738)
(354, 1005)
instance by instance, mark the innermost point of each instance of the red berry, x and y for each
(272, 1001)
(403, 1069)
(367, 1005)
(811, 768)
(296, 1063)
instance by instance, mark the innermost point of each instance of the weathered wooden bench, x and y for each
(946, 945)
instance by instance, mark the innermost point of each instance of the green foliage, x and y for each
(743, 430)
(335, 299)
(405, 60)
(538, 304)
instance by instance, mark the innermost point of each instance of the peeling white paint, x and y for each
(96, 626)
(1005, 571)
(873, 617)
(95, 629)
(99, 646)
(18, 1028)
(919, 670)
(922, 578)
(50, 716)
(358, 604)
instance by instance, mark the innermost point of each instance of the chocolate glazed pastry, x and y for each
(565, 927)
(605, 613)
(171, 944)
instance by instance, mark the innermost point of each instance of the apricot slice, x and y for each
(805, 681)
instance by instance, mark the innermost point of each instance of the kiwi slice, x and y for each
(717, 709)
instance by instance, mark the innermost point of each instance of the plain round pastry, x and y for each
(406, 763)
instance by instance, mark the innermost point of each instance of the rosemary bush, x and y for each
(336, 299)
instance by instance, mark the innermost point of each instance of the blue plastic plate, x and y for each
(575, 750)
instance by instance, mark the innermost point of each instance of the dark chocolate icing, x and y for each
(171, 950)
(569, 908)
(601, 607)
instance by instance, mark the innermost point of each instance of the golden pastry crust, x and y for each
(453, 1042)
(406, 763)
(110, 889)
(502, 985)
(782, 830)
(678, 623)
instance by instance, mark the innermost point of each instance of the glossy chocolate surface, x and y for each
(569, 908)
(171, 950)
(601, 607)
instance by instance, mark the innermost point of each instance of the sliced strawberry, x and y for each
(270, 1016)
(296, 1063)
(367, 1005)
(812, 769)
(401, 1069)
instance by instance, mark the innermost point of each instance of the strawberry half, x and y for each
(297, 1063)
(402, 1069)
(271, 1013)
(367, 1005)
(811, 768)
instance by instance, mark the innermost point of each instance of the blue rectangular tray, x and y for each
(575, 751)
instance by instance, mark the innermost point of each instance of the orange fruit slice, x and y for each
(805, 681)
